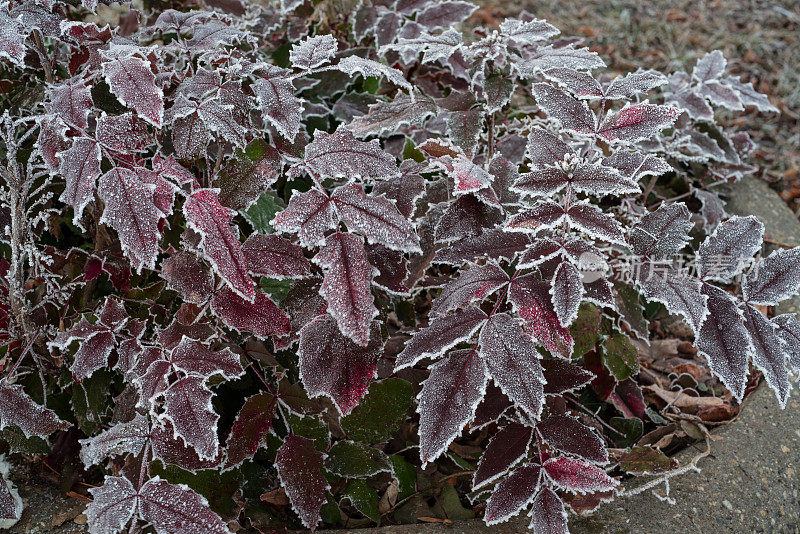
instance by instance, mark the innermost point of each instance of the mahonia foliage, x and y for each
(225, 218)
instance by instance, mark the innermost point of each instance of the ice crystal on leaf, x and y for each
(262, 316)
(300, 468)
(723, 254)
(578, 476)
(548, 514)
(187, 406)
(474, 284)
(280, 106)
(312, 52)
(132, 81)
(505, 449)
(513, 494)
(567, 434)
(341, 155)
(18, 408)
(775, 278)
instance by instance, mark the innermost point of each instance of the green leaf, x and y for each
(646, 460)
(410, 151)
(248, 174)
(216, 486)
(406, 476)
(262, 211)
(448, 505)
(311, 427)
(17, 441)
(364, 498)
(381, 412)
(631, 430)
(90, 400)
(277, 289)
(330, 512)
(356, 460)
(586, 329)
(620, 356)
(631, 309)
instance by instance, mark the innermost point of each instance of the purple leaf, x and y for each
(188, 275)
(548, 515)
(634, 165)
(194, 357)
(628, 86)
(572, 114)
(71, 100)
(445, 14)
(17, 408)
(506, 448)
(637, 122)
(176, 509)
(468, 216)
(312, 52)
(567, 434)
(385, 118)
(775, 278)
(724, 341)
(133, 83)
(113, 505)
(250, 429)
(10, 501)
(332, 365)
(119, 440)
(581, 84)
(578, 476)
(275, 257)
(724, 253)
(346, 285)
(513, 362)
(299, 466)
(492, 244)
(341, 155)
(788, 329)
(405, 190)
(392, 269)
(563, 376)
(125, 133)
(187, 406)
(171, 449)
(353, 65)
(491, 408)
(722, 95)
(769, 354)
(680, 294)
(376, 217)
(513, 494)
(448, 400)
(544, 148)
(206, 216)
(440, 336)
(663, 232)
(262, 317)
(310, 215)
(709, 67)
(527, 32)
(531, 301)
(542, 215)
(281, 108)
(548, 57)
(566, 292)
(475, 283)
(92, 355)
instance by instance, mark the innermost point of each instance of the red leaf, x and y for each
(475, 283)
(205, 215)
(769, 354)
(548, 515)
(491, 408)
(341, 155)
(125, 133)
(346, 285)
(120, 439)
(17, 408)
(112, 506)
(10, 507)
(334, 366)
(467, 217)
(577, 476)
(573, 114)
(513, 362)
(92, 355)
(506, 448)
(448, 400)
(275, 257)
(563, 377)
(513, 494)
(250, 428)
(192, 356)
(71, 100)
(133, 83)
(261, 317)
(492, 244)
(188, 275)
(275, 94)
(392, 269)
(637, 122)
(309, 215)
(589, 219)
(441, 335)
(80, 167)
(176, 509)
(299, 465)
(567, 434)
(187, 405)
(531, 300)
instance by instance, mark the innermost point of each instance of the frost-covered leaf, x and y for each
(527, 32)
(637, 122)
(448, 400)
(350, 459)
(376, 217)
(724, 341)
(749, 96)
(578, 476)
(124, 133)
(194, 357)
(384, 118)
(475, 283)
(506, 448)
(581, 84)
(634, 165)
(299, 465)
(548, 515)
(548, 57)
(544, 148)
(566, 292)
(542, 215)
(177, 509)
(563, 376)
(441, 335)
(347, 285)
(634, 83)
(492, 407)
(445, 14)
(769, 355)
(10, 502)
(280, 107)
(725, 252)
(468, 177)
(513, 362)
(774, 278)
(131, 209)
(709, 67)
(275, 257)
(722, 95)
(262, 317)
(567, 434)
(134, 84)
(531, 300)
(310, 215)
(492, 244)
(71, 100)
(206, 216)
(663, 232)
(17, 408)
(680, 294)
(353, 65)
(620, 357)
(187, 406)
(572, 114)
(332, 365)
(405, 190)
(113, 505)
(250, 428)
(513, 494)
(341, 155)
(788, 329)
(312, 52)
(120, 439)
(92, 355)
(433, 47)
(468, 216)
(186, 274)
